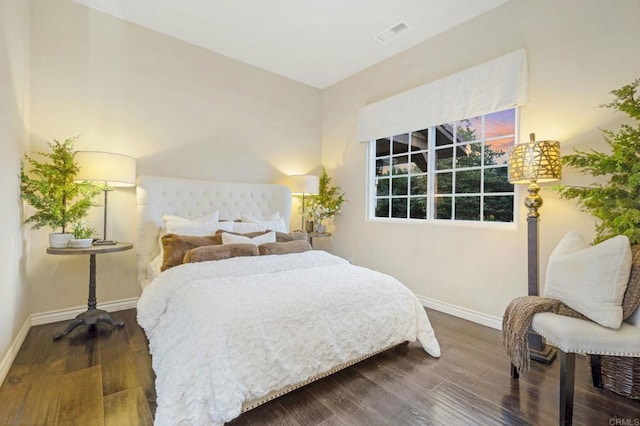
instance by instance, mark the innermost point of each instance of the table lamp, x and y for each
(301, 185)
(113, 170)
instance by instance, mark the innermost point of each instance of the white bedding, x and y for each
(225, 332)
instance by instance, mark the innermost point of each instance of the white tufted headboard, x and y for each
(158, 196)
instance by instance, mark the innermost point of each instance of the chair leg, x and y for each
(567, 378)
(514, 372)
(596, 371)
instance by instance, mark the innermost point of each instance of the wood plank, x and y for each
(271, 413)
(128, 407)
(81, 398)
(119, 368)
(34, 378)
(83, 348)
(306, 409)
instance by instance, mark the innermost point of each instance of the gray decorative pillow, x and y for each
(297, 246)
(227, 251)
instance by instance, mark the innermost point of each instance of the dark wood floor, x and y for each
(106, 378)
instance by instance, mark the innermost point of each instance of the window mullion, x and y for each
(431, 173)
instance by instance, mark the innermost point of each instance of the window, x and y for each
(453, 171)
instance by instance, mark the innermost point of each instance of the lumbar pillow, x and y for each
(590, 279)
(297, 246)
(208, 253)
(268, 237)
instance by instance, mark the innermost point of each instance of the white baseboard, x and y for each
(460, 312)
(7, 361)
(70, 313)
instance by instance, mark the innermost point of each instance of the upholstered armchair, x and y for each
(607, 330)
(576, 336)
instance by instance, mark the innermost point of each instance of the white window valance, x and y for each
(493, 86)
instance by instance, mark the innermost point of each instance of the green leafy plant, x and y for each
(616, 203)
(48, 186)
(327, 203)
(82, 230)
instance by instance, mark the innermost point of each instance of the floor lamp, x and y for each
(113, 170)
(301, 185)
(531, 163)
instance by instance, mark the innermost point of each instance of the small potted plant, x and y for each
(48, 186)
(82, 235)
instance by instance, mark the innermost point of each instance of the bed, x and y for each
(228, 335)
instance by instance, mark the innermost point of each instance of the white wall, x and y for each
(14, 113)
(178, 109)
(578, 52)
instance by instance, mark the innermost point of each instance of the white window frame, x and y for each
(372, 193)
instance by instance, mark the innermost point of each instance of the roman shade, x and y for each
(492, 86)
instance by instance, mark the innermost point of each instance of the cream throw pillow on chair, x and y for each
(590, 279)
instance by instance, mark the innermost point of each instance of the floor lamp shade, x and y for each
(537, 161)
(114, 170)
(534, 162)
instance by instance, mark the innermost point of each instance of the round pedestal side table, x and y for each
(92, 315)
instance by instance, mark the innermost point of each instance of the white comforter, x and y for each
(230, 331)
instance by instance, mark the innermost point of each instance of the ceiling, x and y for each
(316, 42)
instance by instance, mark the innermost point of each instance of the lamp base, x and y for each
(539, 350)
(546, 356)
(104, 242)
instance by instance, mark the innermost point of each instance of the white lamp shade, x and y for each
(304, 184)
(112, 169)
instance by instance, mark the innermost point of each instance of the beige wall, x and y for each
(178, 109)
(14, 113)
(578, 52)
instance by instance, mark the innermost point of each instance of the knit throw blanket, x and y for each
(518, 316)
(516, 323)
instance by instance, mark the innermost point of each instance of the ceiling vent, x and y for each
(393, 32)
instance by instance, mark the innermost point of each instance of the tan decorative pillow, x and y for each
(175, 246)
(205, 253)
(297, 246)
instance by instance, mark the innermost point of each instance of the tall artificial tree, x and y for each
(616, 203)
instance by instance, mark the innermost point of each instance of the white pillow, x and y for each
(199, 229)
(269, 237)
(590, 279)
(268, 225)
(196, 227)
(211, 217)
(253, 219)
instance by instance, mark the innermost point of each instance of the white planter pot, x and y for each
(59, 240)
(81, 243)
